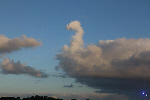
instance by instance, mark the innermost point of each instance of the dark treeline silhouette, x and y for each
(32, 98)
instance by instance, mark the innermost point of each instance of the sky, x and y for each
(95, 49)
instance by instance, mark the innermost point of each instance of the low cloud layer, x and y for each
(10, 67)
(113, 66)
(8, 45)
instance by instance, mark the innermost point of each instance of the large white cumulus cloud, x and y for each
(10, 67)
(119, 58)
(110, 59)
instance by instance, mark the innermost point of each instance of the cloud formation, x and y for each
(70, 86)
(109, 65)
(63, 76)
(8, 45)
(10, 67)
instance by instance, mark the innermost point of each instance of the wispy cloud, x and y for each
(8, 45)
(10, 67)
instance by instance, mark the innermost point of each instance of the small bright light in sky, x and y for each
(146, 95)
(143, 93)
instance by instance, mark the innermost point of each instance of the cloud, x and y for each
(57, 68)
(10, 67)
(113, 66)
(59, 74)
(70, 86)
(63, 76)
(9, 45)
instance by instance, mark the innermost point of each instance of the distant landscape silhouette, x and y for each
(33, 98)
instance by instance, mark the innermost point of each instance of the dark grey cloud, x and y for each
(119, 66)
(63, 76)
(59, 75)
(70, 86)
(8, 45)
(57, 68)
(10, 67)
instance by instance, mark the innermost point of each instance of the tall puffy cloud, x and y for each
(111, 65)
(8, 45)
(77, 39)
(10, 67)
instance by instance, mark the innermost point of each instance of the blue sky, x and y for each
(46, 21)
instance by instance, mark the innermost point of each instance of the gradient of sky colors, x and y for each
(32, 38)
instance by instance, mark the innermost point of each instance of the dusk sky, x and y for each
(82, 49)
